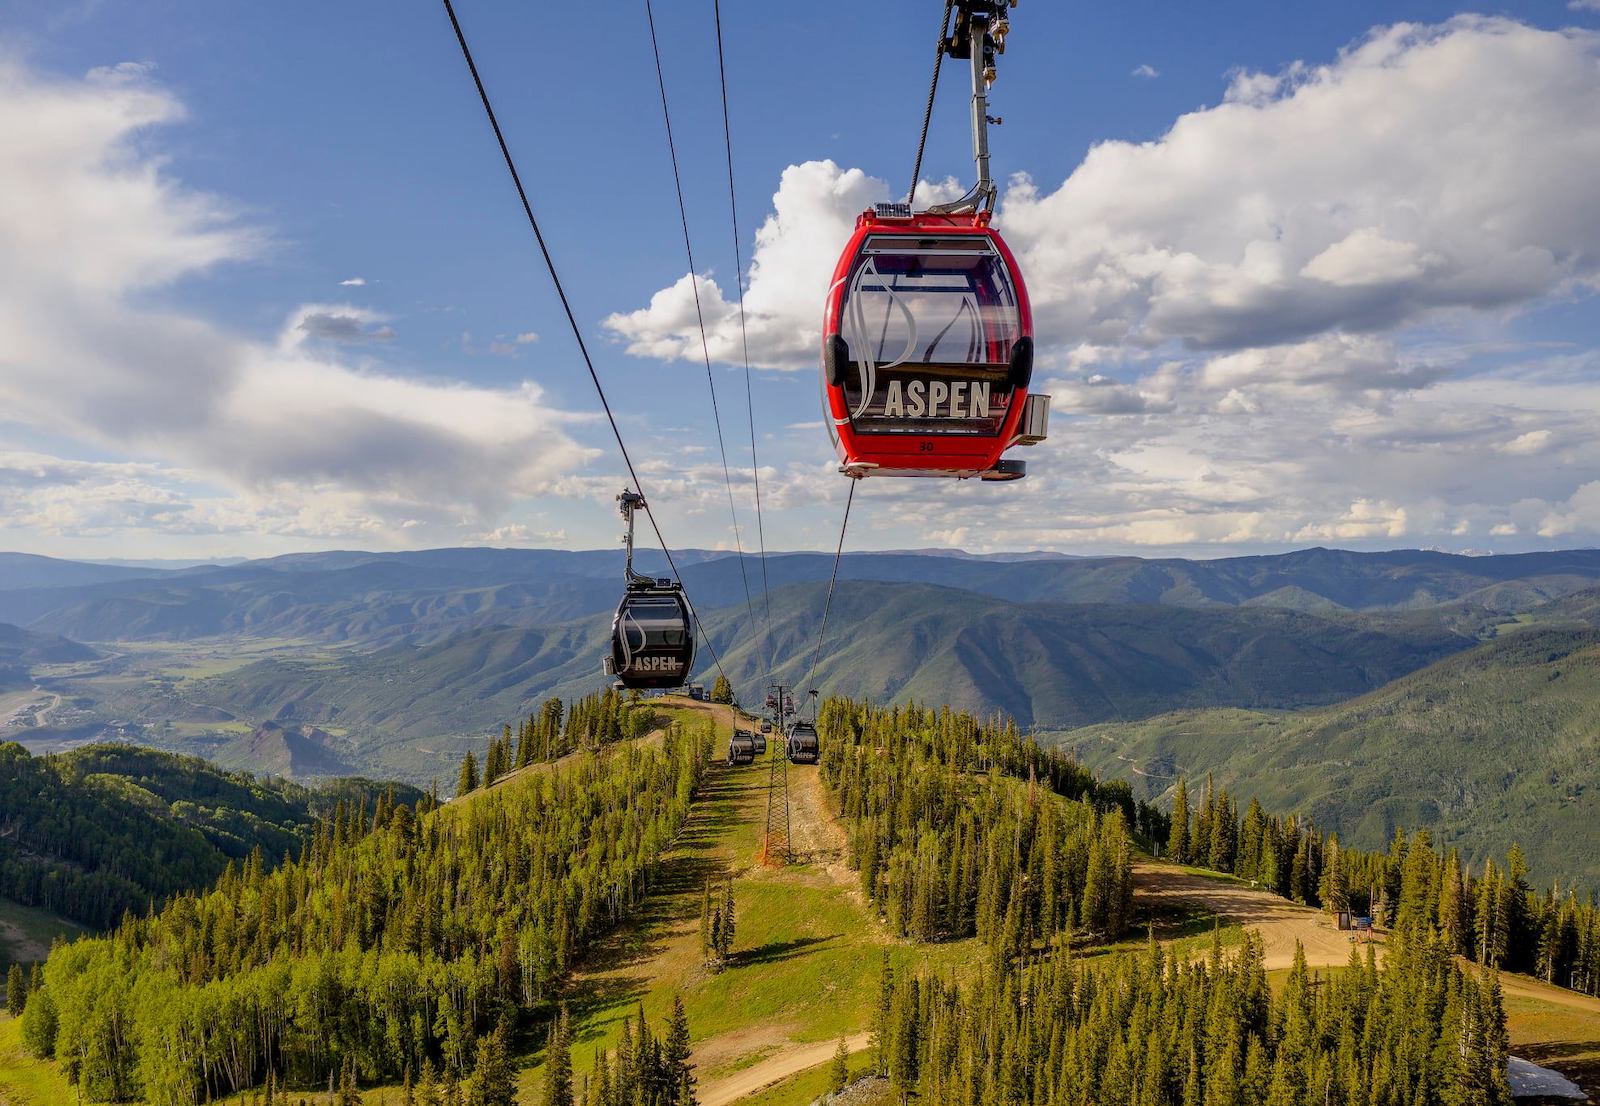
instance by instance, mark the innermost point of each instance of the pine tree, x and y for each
(494, 1080)
(1178, 839)
(469, 775)
(881, 1018)
(16, 991)
(722, 690)
(675, 1057)
(839, 1071)
(558, 1064)
(1333, 890)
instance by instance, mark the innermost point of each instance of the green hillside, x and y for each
(1050, 664)
(1495, 745)
(109, 828)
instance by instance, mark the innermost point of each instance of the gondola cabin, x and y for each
(652, 637)
(927, 349)
(803, 743)
(760, 740)
(741, 747)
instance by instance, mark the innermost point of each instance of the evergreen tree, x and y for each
(1333, 889)
(469, 775)
(16, 990)
(839, 1070)
(494, 1079)
(678, 1073)
(722, 690)
(882, 1016)
(558, 1064)
(1178, 840)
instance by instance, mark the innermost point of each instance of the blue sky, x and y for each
(1208, 399)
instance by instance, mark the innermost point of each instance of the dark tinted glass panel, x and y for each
(930, 323)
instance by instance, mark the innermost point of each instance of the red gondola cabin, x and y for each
(927, 349)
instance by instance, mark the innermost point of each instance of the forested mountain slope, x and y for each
(110, 828)
(395, 941)
(1054, 663)
(377, 597)
(1495, 745)
(1047, 663)
(430, 943)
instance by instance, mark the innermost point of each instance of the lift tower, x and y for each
(775, 842)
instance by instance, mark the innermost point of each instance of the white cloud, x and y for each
(1365, 257)
(1281, 321)
(527, 337)
(1146, 71)
(1579, 514)
(1525, 445)
(1366, 518)
(90, 222)
(1584, 5)
(518, 533)
(1425, 169)
(814, 210)
(353, 282)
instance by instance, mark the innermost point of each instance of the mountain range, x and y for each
(393, 663)
(369, 597)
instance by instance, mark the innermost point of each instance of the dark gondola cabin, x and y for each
(760, 740)
(652, 637)
(927, 349)
(741, 747)
(803, 746)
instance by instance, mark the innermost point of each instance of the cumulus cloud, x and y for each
(90, 222)
(1282, 320)
(518, 533)
(1579, 514)
(796, 248)
(1426, 169)
(1146, 71)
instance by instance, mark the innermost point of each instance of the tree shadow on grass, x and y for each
(775, 951)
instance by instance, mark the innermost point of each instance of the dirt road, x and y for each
(774, 1069)
(1281, 923)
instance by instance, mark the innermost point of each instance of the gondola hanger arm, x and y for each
(979, 38)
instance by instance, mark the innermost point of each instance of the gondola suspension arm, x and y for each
(979, 36)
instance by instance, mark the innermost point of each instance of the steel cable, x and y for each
(572, 321)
